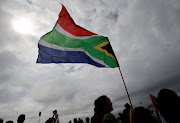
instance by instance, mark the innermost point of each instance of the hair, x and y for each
(1, 120)
(10, 121)
(143, 115)
(100, 105)
(169, 104)
(21, 118)
(75, 120)
(87, 118)
(100, 102)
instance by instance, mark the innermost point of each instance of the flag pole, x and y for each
(124, 84)
(122, 77)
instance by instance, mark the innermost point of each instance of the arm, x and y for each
(132, 115)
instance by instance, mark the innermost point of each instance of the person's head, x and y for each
(1, 120)
(79, 121)
(21, 118)
(55, 112)
(10, 121)
(120, 114)
(87, 119)
(143, 115)
(75, 120)
(103, 103)
(127, 106)
(168, 104)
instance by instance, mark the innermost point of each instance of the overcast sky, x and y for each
(145, 36)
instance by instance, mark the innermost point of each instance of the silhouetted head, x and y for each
(120, 114)
(1, 120)
(21, 118)
(87, 119)
(169, 104)
(55, 112)
(80, 120)
(103, 103)
(75, 120)
(143, 115)
(10, 121)
(127, 106)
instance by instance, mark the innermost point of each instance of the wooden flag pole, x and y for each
(124, 84)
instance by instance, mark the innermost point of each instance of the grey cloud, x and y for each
(145, 39)
(30, 2)
(10, 80)
(113, 15)
(7, 64)
(149, 50)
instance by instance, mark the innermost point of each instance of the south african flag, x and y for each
(70, 43)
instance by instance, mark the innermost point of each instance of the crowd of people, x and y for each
(167, 104)
(20, 119)
(79, 120)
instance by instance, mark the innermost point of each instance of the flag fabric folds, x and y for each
(70, 43)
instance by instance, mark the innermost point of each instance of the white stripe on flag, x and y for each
(53, 46)
(64, 32)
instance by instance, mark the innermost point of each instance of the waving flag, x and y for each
(70, 43)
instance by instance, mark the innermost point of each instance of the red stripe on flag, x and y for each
(68, 24)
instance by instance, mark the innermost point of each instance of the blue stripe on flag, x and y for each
(49, 55)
